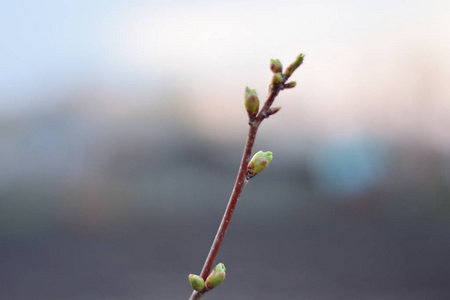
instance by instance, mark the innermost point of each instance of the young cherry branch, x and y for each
(210, 278)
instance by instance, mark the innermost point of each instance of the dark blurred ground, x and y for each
(339, 257)
(332, 259)
(128, 210)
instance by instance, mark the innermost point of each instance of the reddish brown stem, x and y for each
(242, 178)
(239, 185)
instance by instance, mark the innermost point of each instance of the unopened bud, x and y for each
(290, 85)
(277, 78)
(251, 102)
(273, 110)
(196, 282)
(258, 163)
(275, 66)
(216, 277)
(292, 67)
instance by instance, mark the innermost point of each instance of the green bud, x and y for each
(290, 85)
(275, 66)
(273, 110)
(251, 102)
(258, 163)
(277, 78)
(216, 277)
(292, 67)
(196, 282)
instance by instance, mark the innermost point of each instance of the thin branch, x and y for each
(240, 183)
(242, 176)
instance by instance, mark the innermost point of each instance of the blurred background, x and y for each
(122, 126)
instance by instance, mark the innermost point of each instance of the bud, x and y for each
(290, 85)
(277, 78)
(275, 66)
(251, 102)
(216, 277)
(273, 110)
(258, 163)
(196, 282)
(292, 67)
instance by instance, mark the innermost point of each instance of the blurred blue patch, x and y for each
(349, 166)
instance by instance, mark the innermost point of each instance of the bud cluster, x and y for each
(216, 277)
(278, 83)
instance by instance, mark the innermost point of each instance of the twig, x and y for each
(243, 174)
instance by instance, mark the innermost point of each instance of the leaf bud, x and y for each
(216, 277)
(275, 66)
(258, 163)
(251, 102)
(273, 110)
(277, 78)
(196, 282)
(290, 85)
(292, 67)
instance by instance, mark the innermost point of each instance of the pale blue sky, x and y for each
(49, 46)
(49, 43)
